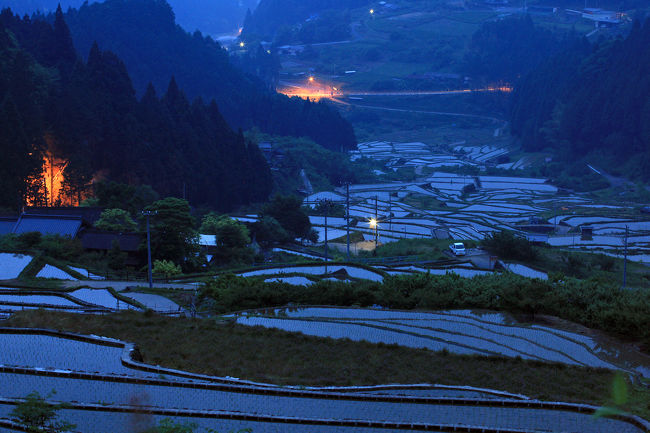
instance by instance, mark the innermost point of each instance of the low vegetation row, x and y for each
(589, 302)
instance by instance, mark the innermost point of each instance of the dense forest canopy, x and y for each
(506, 49)
(591, 103)
(144, 35)
(86, 116)
(208, 16)
(271, 16)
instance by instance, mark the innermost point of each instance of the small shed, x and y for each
(586, 233)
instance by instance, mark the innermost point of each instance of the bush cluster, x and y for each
(589, 302)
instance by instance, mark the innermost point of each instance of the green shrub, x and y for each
(508, 246)
(590, 302)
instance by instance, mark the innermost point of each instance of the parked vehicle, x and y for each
(458, 248)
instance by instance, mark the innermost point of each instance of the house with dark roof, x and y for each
(89, 215)
(7, 224)
(62, 221)
(100, 240)
(48, 224)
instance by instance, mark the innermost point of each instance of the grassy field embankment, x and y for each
(220, 348)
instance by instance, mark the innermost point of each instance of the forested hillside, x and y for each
(506, 49)
(272, 16)
(591, 103)
(86, 118)
(144, 34)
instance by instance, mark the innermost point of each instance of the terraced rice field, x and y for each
(153, 302)
(103, 392)
(352, 271)
(463, 332)
(11, 265)
(436, 206)
(49, 271)
(80, 300)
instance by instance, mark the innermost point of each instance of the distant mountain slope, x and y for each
(144, 35)
(209, 16)
(591, 102)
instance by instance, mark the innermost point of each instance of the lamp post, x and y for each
(376, 223)
(373, 225)
(148, 213)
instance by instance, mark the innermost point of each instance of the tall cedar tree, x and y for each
(92, 118)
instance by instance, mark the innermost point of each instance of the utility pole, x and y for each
(390, 216)
(625, 257)
(327, 206)
(148, 213)
(347, 216)
(376, 223)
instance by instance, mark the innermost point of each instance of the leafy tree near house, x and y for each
(268, 232)
(233, 238)
(172, 230)
(116, 220)
(132, 198)
(287, 210)
(508, 246)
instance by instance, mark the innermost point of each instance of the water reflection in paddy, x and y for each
(459, 331)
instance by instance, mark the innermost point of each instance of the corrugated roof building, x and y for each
(48, 225)
(7, 225)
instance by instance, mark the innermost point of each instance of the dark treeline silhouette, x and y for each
(591, 101)
(143, 33)
(87, 114)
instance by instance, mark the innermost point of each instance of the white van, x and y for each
(458, 248)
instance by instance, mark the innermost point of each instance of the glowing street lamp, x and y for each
(241, 44)
(374, 225)
(372, 11)
(311, 79)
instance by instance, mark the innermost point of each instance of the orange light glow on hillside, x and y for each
(53, 174)
(48, 188)
(315, 91)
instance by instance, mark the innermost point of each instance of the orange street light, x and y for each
(311, 79)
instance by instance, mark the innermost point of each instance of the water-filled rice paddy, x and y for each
(11, 265)
(463, 332)
(50, 271)
(45, 352)
(353, 271)
(154, 302)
